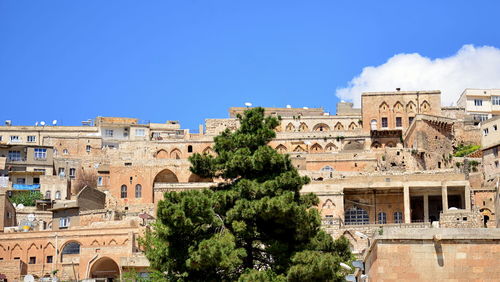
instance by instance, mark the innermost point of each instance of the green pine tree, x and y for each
(254, 226)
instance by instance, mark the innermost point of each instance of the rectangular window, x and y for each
(410, 120)
(495, 100)
(108, 133)
(60, 172)
(15, 139)
(485, 132)
(497, 165)
(478, 102)
(99, 181)
(50, 259)
(14, 156)
(72, 172)
(87, 148)
(40, 154)
(0, 137)
(64, 222)
(140, 132)
(31, 139)
(384, 122)
(21, 181)
(399, 122)
(495, 151)
(32, 260)
(480, 117)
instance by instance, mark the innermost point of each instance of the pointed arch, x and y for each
(384, 107)
(316, 148)
(125, 241)
(166, 176)
(33, 245)
(321, 127)
(398, 107)
(425, 107)
(411, 107)
(330, 147)
(95, 243)
(281, 149)
(161, 154)
(352, 126)
(175, 154)
(209, 151)
(338, 126)
(299, 149)
(303, 127)
(328, 204)
(290, 127)
(112, 242)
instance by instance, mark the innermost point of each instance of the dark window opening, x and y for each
(190, 149)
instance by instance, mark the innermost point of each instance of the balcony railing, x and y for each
(26, 186)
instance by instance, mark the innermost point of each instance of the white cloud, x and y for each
(470, 67)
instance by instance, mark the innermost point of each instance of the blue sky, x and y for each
(191, 60)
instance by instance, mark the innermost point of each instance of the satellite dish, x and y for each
(345, 266)
(54, 122)
(29, 278)
(42, 123)
(248, 104)
(36, 123)
(20, 206)
(31, 217)
(288, 106)
(305, 108)
(350, 278)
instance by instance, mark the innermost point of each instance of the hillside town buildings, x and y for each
(390, 165)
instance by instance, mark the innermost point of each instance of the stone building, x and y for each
(385, 165)
(480, 104)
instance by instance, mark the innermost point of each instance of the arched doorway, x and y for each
(105, 268)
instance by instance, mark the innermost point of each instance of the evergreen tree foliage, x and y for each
(254, 226)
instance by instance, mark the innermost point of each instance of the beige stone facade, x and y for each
(388, 164)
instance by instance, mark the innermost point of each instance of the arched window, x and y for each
(55, 152)
(321, 127)
(316, 148)
(72, 248)
(330, 147)
(138, 191)
(303, 127)
(290, 127)
(356, 215)
(373, 124)
(398, 217)
(47, 195)
(123, 193)
(65, 152)
(382, 218)
(190, 149)
(339, 126)
(281, 149)
(58, 195)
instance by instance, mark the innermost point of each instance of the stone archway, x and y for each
(105, 268)
(166, 176)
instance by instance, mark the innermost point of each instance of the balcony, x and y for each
(26, 186)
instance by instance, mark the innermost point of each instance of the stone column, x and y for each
(467, 197)
(426, 208)
(406, 196)
(444, 195)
